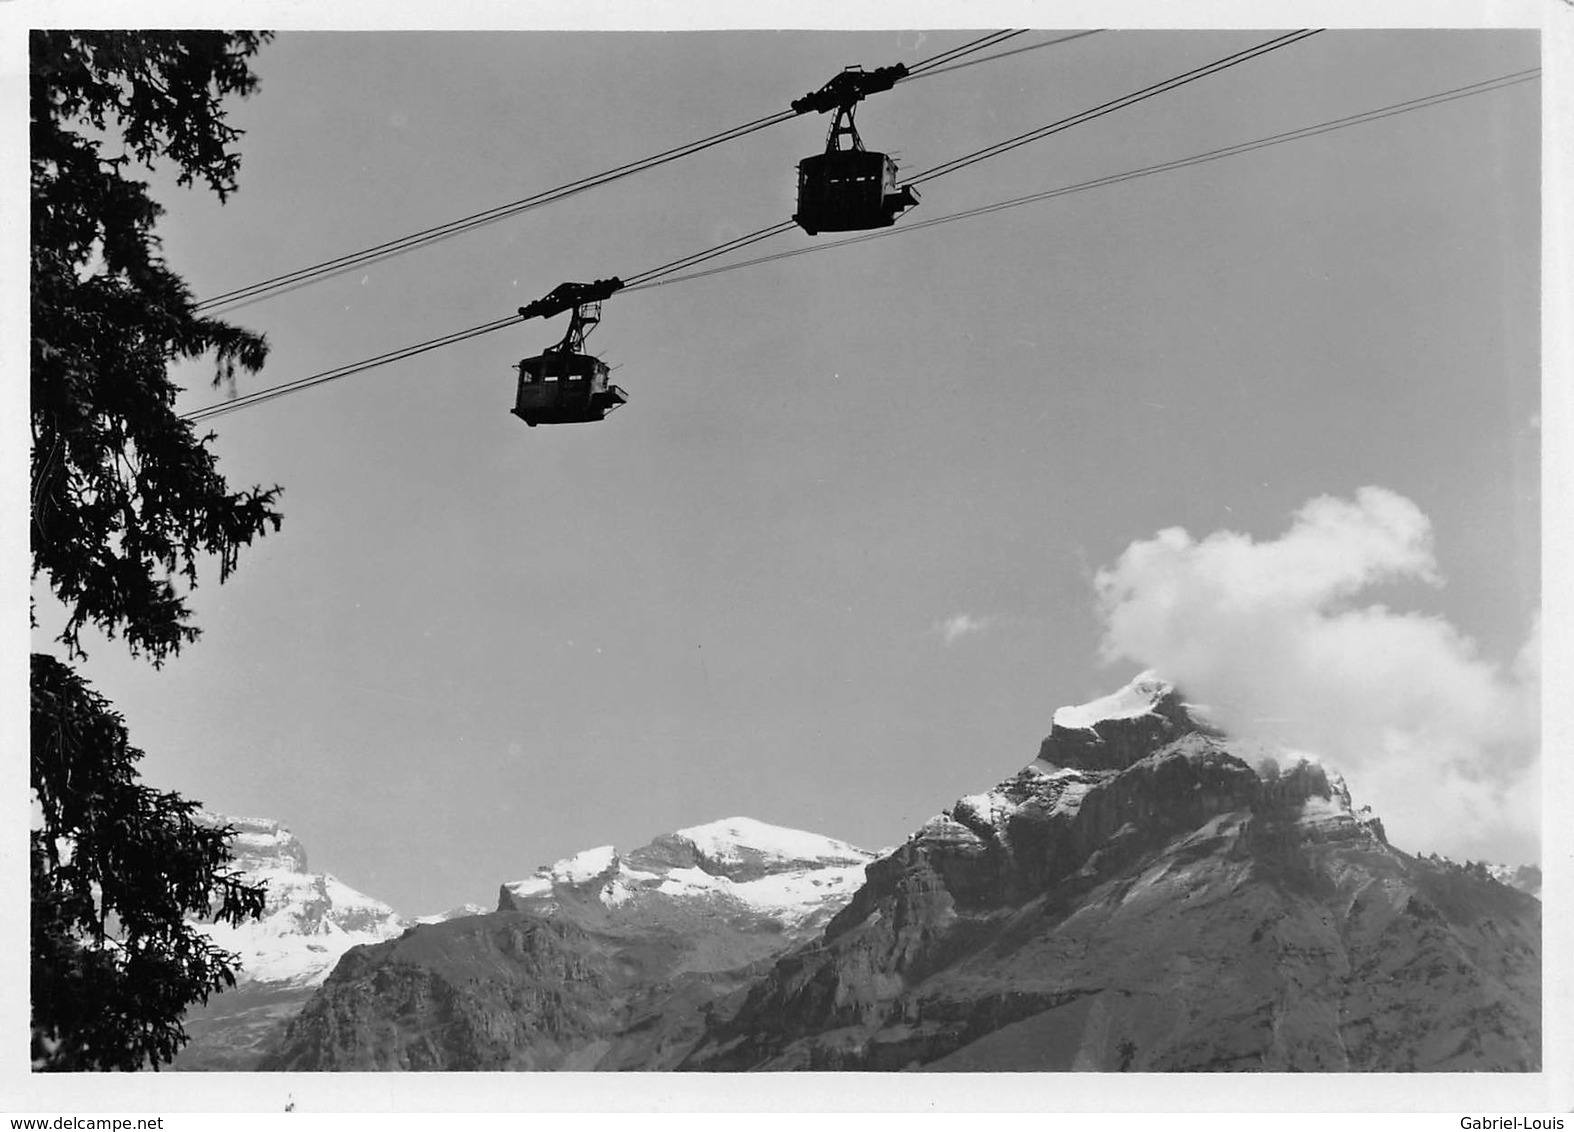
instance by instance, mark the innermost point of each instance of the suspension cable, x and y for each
(711, 253)
(318, 271)
(998, 55)
(1485, 86)
(1010, 143)
(247, 400)
(979, 44)
(1114, 104)
(650, 277)
(314, 273)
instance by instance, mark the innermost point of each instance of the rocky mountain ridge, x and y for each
(603, 960)
(1148, 893)
(1141, 898)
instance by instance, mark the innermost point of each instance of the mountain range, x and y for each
(1149, 893)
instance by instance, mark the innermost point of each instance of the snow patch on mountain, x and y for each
(271, 953)
(584, 866)
(1062, 787)
(260, 843)
(462, 910)
(745, 839)
(1526, 878)
(986, 816)
(788, 895)
(1137, 698)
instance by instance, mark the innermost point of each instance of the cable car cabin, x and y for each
(562, 387)
(847, 190)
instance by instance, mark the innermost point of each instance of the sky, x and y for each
(1270, 425)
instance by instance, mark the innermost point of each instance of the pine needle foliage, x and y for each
(126, 497)
(126, 501)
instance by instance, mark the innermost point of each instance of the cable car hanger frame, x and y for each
(563, 384)
(849, 188)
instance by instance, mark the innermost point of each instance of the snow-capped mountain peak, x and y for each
(739, 865)
(742, 840)
(310, 919)
(309, 922)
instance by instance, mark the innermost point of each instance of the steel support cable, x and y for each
(247, 400)
(327, 268)
(321, 378)
(710, 253)
(979, 44)
(987, 152)
(646, 278)
(1484, 87)
(1113, 105)
(918, 71)
(350, 261)
(999, 55)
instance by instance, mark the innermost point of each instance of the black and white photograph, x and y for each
(876, 558)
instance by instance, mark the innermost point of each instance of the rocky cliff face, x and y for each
(603, 960)
(1140, 898)
(310, 921)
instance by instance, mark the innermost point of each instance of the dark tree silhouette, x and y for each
(125, 495)
(116, 867)
(126, 500)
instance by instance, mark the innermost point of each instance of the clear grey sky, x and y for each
(476, 647)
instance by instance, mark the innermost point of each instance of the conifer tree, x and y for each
(127, 500)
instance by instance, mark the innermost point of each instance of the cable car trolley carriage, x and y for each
(849, 188)
(563, 384)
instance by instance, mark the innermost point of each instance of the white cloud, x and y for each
(1441, 742)
(954, 628)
